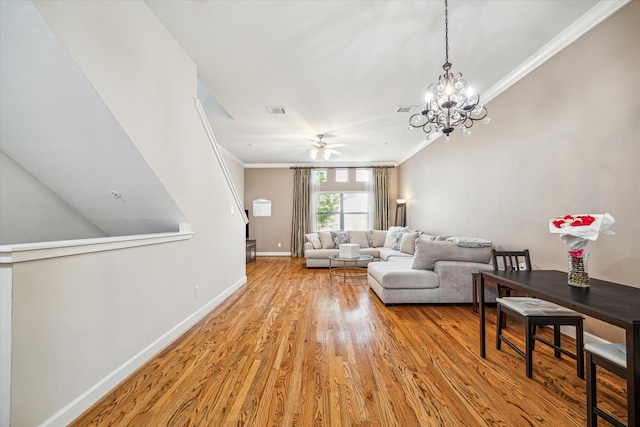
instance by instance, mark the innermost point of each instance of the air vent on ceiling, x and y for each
(405, 108)
(276, 110)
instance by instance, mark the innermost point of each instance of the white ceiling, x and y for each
(344, 67)
(340, 68)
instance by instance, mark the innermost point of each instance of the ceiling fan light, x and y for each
(313, 154)
(326, 155)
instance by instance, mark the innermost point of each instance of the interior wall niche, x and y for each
(262, 207)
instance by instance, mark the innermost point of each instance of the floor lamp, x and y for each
(401, 212)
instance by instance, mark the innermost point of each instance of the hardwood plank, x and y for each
(295, 347)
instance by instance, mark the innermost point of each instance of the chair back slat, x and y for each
(511, 260)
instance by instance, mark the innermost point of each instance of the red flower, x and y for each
(571, 221)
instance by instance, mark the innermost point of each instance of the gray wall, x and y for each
(563, 140)
(277, 185)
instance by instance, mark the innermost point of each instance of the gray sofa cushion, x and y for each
(387, 253)
(427, 253)
(400, 275)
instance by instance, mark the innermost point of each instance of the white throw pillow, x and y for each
(379, 236)
(326, 239)
(408, 242)
(470, 242)
(314, 239)
(360, 237)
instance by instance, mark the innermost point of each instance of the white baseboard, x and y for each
(273, 253)
(83, 402)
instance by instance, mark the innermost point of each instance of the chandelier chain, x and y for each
(446, 32)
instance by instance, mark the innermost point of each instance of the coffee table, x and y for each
(343, 265)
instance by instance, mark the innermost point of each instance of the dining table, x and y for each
(614, 303)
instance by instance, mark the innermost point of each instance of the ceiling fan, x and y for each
(324, 149)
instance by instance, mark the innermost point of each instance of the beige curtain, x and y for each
(381, 201)
(301, 210)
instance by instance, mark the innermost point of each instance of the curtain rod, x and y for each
(343, 167)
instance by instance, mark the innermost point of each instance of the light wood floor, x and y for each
(296, 348)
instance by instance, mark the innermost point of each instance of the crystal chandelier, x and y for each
(449, 102)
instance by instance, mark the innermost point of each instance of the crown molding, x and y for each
(588, 21)
(316, 165)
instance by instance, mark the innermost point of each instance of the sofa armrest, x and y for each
(307, 246)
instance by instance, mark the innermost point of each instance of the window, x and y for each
(346, 211)
(362, 175)
(342, 175)
(320, 175)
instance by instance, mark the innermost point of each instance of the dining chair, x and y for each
(534, 312)
(612, 357)
(502, 260)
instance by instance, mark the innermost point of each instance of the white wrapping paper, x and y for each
(577, 237)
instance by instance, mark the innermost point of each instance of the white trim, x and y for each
(315, 166)
(589, 20)
(83, 402)
(10, 254)
(220, 157)
(273, 253)
(6, 315)
(585, 23)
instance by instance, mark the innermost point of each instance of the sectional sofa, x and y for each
(410, 267)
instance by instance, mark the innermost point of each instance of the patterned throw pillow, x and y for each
(397, 242)
(339, 237)
(392, 233)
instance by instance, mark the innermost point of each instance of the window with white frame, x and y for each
(344, 211)
(342, 198)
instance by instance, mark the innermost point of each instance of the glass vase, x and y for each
(578, 270)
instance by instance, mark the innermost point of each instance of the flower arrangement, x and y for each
(576, 231)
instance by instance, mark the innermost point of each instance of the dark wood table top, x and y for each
(612, 302)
